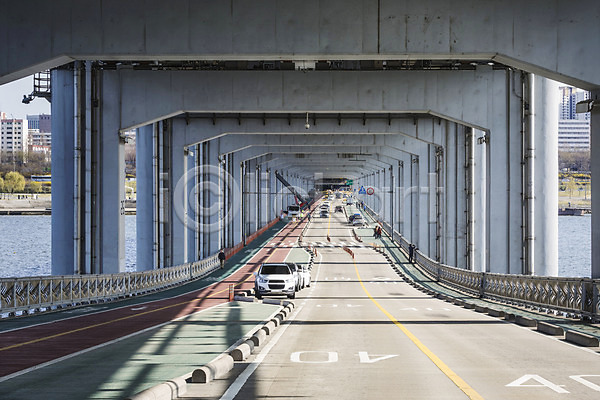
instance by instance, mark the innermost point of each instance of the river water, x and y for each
(25, 245)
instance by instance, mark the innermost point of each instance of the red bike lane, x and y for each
(28, 347)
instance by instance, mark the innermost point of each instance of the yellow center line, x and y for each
(458, 381)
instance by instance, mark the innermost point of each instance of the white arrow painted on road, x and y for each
(364, 357)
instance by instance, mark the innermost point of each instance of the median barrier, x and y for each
(242, 352)
(550, 329)
(495, 313)
(525, 321)
(259, 337)
(171, 389)
(481, 309)
(213, 370)
(269, 327)
(581, 339)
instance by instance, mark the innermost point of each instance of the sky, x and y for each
(11, 95)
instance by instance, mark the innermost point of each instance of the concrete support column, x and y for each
(546, 177)
(480, 175)
(111, 172)
(413, 209)
(462, 215)
(252, 220)
(424, 200)
(215, 196)
(179, 195)
(595, 161)
(63, 219)
(144, 149)
(236, 200)
(451, 190)
(399, 197)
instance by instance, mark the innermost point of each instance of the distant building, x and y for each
(45, 123)
(38, 138)
(573, 128)
(573, 135)
(14, 136)
(33, 121)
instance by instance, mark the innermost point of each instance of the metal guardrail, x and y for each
(575, 296)
(45, 293)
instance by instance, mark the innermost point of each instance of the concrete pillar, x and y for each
(595, 161)
(424, 200)
(215, 199)
(546, 177)
(236, 200)
(399, 202)
(144, 204)
(450, 196)
(179, 196)
(480, 203)
(112, 179)
(63, 218)
(413, 212)
(514, 98)
(461, 199)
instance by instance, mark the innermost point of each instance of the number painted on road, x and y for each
(331, 357)
(328, 357)
(366, 359)
(335, 305)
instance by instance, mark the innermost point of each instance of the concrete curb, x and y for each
(259, 338)
(242, 352)
(525, 321)
(495, 313)
(550, 329)
(166, 390)
(581, 339)
(213, 370)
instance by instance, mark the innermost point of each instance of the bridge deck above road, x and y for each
(359, 331)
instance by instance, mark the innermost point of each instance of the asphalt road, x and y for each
(361, 333)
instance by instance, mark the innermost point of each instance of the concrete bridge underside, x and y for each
(457, 182)
(447, 110)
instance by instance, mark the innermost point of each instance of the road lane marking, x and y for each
(541, 383)
(240, 381)
(457, 380)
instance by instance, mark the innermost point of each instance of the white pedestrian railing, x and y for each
(579, 297)
(44, 293)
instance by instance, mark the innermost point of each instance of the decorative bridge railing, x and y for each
(579, 297)
(43, 293)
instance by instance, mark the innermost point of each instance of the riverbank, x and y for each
(39, 205)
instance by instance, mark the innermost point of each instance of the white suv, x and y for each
(275, 278)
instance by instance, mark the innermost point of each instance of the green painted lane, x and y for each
(138, 362)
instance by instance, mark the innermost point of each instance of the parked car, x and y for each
(304, 271)
(275, 279)
(297, 275)
(351, 218)
(358, 220)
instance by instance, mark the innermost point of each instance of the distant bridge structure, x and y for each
(447, 109)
